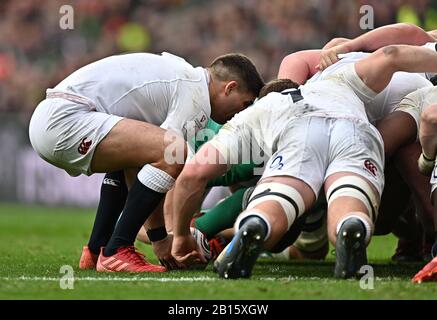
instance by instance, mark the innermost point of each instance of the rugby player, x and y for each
(115, 114)
(421, 105)
(381, 112)
(301, 65)
(319, 136)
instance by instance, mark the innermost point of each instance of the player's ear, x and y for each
(230, 86)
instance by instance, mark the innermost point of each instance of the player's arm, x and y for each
(211, 161)
(207, 164)
(377, 70)
(399, 33)
(335, 42)
(299, 66)
(433, 35)
(187, 198)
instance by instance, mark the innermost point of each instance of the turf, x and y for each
(36, 241)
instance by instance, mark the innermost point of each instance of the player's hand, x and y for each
(186, 252)
(428, 273)
(425, 164)
(162, 250)
(330, 56)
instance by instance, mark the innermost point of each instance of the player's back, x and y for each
(139, 86)
(401, 84)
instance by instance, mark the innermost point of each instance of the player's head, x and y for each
(277, 85)
(234, 85)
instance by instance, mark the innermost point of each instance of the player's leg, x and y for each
(352, 205)
(113, 194)
(353, 186)
(132, 139)
(273, 207)
(72, 137)
(291, 180)
(222, 216)
(394, 138)
(132, 144)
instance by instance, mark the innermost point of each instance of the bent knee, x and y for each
(173, 169)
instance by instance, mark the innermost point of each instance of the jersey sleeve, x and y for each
(188, 112)
(413, 105)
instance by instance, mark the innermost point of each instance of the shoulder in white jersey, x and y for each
(258, 126)
(386, 101)
(337, 96)
(163, 90)
(416, 102)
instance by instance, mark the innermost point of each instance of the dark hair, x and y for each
(434, 80)
(235, 66)
(277, 85)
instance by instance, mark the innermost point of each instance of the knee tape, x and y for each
(288, 197)
(155, 179)
(355, 187)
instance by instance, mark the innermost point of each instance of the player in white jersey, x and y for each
(402, 144)
(321, 136)
(115, 114)
(421, 105)
(302, 65)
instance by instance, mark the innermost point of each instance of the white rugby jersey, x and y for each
(262, 124)
(163, 90)
(258, 126)
(401, 84)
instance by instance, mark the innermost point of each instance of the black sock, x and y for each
(141, 201)
(258, 220)
(113, 194)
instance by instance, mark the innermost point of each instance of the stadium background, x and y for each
(40, 232)
(35, 53)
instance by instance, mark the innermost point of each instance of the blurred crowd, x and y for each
(36, 53)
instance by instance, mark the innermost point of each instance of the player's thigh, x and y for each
(302, 157)
(130, 144)
(66, 134)
(303, 188)
(394, 138)
(355, 177)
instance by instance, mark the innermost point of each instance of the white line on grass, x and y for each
(182, 279)
(133, 279)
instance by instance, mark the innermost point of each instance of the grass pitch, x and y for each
(35, 242)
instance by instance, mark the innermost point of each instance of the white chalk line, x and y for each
(181, 279)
